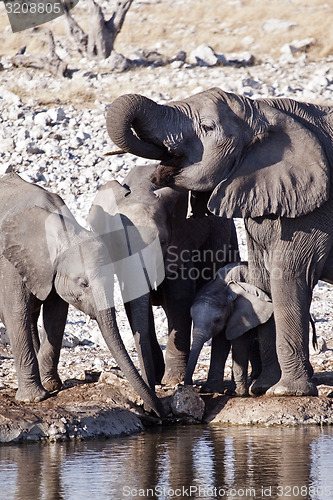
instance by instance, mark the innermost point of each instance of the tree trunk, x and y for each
(102, 34)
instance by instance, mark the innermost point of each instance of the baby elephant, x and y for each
(227, 310)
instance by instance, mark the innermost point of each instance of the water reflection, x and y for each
(203, 462)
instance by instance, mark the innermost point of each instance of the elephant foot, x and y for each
(52, 385)
(265, 380)
(241, 390)
(300, 387)
(218, 387)
(31, 395)
(172, 378)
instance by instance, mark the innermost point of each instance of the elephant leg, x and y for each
(178, 298)
(218, 357)
(255, 359)
(55, 311)
(259, 276)
(292, 300)
(270, 369)
(17, 318)
(34, 329)
(241, 348)
(141, 319)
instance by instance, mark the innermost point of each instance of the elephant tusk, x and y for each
(116, 152)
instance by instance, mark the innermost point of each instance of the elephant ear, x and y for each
(104, 217)
(252, 307)
(284, 171)
(32, 240)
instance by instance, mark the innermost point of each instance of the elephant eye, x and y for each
(208, 126)
(83, 282)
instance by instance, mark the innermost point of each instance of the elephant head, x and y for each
(231, 308)
(257, 157)
(50, 249)
(135, 222)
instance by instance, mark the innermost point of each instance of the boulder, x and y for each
(186, 402)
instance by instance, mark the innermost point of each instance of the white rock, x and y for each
(56, 114)
(247, 41)
(9, 97)
(43, 119)
(6, 145)
(36, 132)
(277, 25)
(52, 149)
(203, 55)
(236, 59)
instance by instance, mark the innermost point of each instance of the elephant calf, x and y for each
(227, 310)
(47, 259)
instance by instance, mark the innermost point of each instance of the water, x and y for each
(199, 462)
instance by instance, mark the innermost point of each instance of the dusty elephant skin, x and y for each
(132, 216)
(47, 259)
(270, 162)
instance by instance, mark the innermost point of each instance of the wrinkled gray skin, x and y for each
(269, 161)
(228, 310)
(47, 259)
(163, 212)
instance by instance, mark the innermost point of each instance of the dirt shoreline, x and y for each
(110, 408)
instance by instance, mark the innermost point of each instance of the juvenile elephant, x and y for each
(133, 216)
(228, 310)
(269, 161)
(47, 259)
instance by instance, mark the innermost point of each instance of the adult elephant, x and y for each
(269, 161)
(150, 236)
(47, 259)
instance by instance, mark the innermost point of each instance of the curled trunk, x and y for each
(109, 329)
(128, 120)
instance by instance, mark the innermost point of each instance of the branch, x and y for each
(51, 63)
(75, 31)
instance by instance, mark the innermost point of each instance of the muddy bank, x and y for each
(110, 407)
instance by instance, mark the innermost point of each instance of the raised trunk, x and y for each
(109, 328)
(199, 339)
(133, 112)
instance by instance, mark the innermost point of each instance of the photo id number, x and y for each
(33, 8)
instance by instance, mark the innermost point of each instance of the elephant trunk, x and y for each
(108, 325)
(199, 338)
(135, 112)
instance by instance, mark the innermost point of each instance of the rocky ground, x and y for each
(53, 132)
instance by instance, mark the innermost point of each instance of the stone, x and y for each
(33, 149)
(57, 114)
(117, 62)
(236, 59)
(52, 149)
(186, 402)
(297, 46)
(43, 119)
(9, 97)
(203, 55)
(6, 145)
(277, 25)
